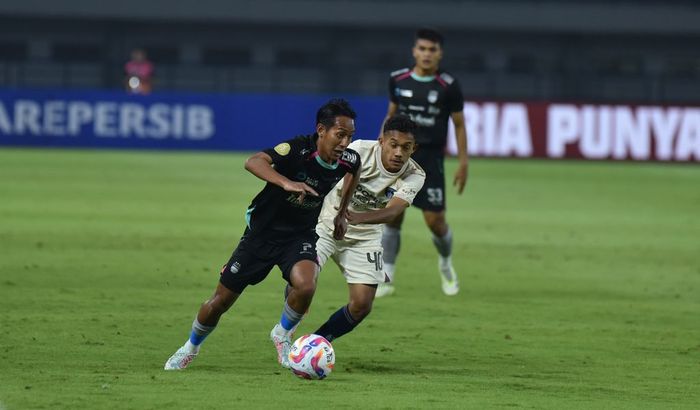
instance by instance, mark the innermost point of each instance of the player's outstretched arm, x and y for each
(460, 179)
(340, 221)
(260, 165)
(381, 216)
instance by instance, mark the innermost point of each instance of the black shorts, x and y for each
(432, 196)
(254, 258)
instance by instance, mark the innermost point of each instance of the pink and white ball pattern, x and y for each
(311, 357)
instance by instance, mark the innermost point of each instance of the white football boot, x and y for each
(282, 343)
(181, 359)
(450, 284)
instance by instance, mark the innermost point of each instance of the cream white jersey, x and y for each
(376, 187)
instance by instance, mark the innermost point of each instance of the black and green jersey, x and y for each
(276, 212)
(429, 101)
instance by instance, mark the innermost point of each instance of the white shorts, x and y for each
(360, 261)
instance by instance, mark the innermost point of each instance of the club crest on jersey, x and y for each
(235, 267)
(432, 96)
(283, 148)
(390, 192)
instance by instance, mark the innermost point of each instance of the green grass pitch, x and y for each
(580, 289)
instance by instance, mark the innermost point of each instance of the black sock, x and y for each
(340, 323)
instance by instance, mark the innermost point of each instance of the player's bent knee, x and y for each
(360, 311)
(219, 305)
(305, 289)
(436, 223)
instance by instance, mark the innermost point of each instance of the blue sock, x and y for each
(340, 323)
(289, 317)
(199, 332)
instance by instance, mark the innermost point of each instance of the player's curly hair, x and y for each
(334, 108)
(430, 34)
(400, 123)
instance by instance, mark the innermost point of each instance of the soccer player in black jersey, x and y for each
(280, 225)
(430, 97)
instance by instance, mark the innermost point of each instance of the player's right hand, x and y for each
(340, 226)
(461, 176)
(300, 188)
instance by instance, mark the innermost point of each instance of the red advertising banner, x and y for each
(587, 131)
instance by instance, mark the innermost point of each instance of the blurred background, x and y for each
(580, 279)
(586, 79)
(641, 51)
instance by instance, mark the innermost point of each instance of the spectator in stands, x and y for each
(139, 73)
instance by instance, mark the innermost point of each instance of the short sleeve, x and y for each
(283, 152)
(392, 91)
(410, 185)
(455, 99)
(350, 160)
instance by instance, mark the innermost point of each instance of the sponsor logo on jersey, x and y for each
(309, 201)
(432, 96)
(416, 108)
(400, 92)
(433, 110)
(349, 156)
(235, 267)
(364, 199)
(422, 120)
(390, 192)
(302, 177)
(283, 148)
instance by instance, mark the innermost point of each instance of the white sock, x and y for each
(191, 348)
(445, 260)
(279, 330)
(445, 263)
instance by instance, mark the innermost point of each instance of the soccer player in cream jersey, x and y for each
(389, 180)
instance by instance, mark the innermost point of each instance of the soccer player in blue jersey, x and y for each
(281, 219)
(431, 97)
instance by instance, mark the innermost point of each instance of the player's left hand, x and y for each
(340, 223)
(353, 218)
(461, 177)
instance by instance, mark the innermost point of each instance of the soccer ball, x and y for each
(311, 357)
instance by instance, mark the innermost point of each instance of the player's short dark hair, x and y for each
(430, 34)
(334, 108)
(400, 123)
